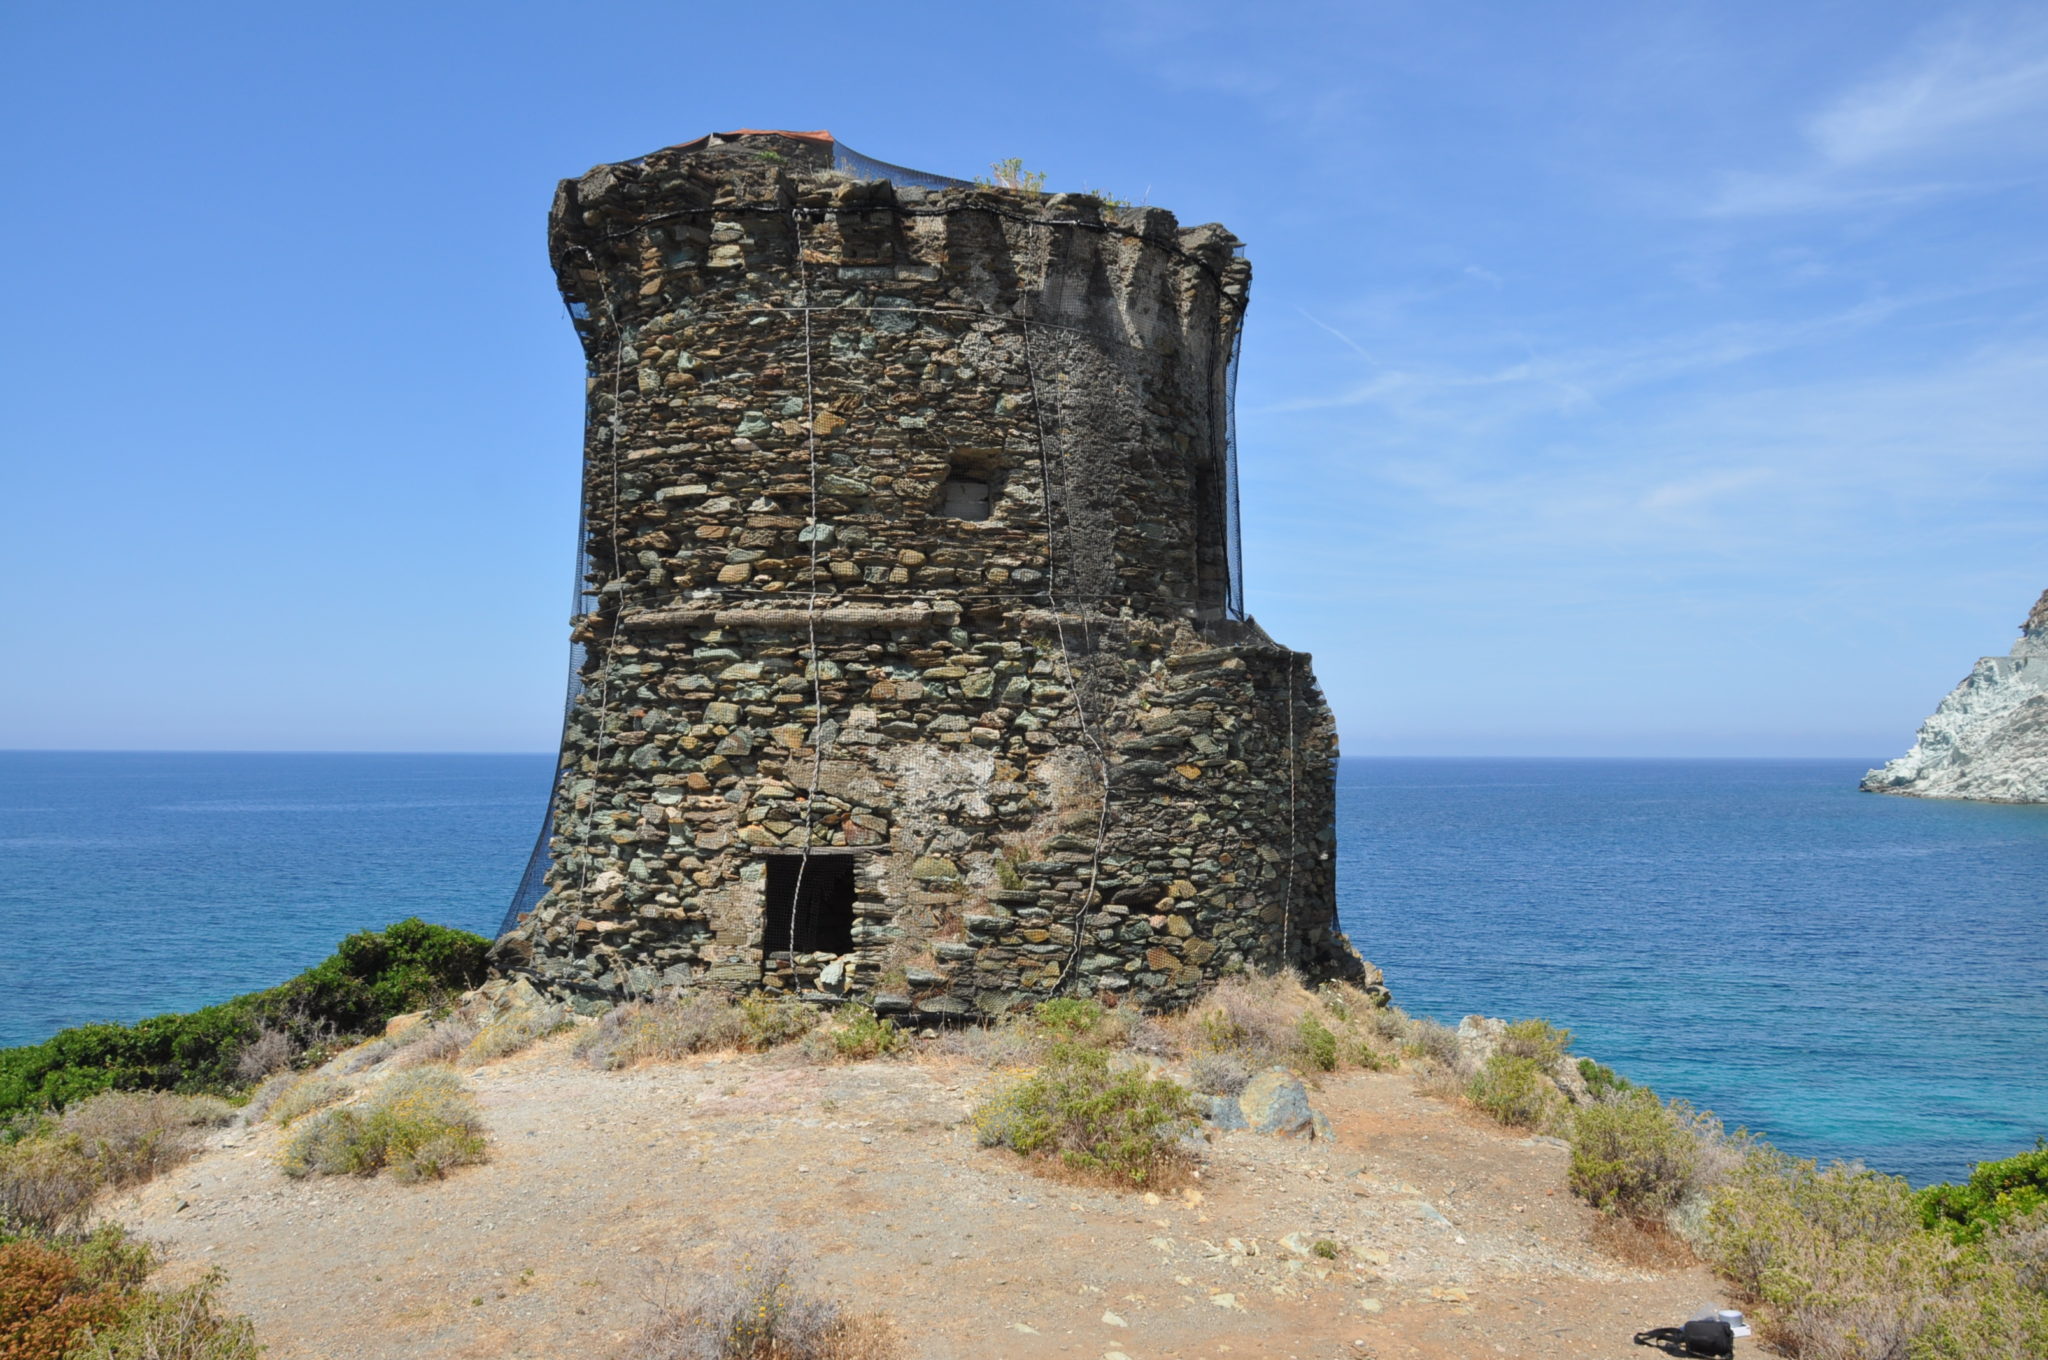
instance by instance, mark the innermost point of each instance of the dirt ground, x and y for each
(1458, 1238)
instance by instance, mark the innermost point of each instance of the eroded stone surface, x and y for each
(1989, 738)
(907, 523)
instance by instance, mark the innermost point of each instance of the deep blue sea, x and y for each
(1853, 976)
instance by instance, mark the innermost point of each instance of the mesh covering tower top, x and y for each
(910, 667)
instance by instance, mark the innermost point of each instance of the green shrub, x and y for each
(1634, 1156)
(771, 1021)
(1363, 1053)
(418, 1123)
(1117, 1126)
(1538, 1040)
(1512, 1089)
(372, 976)
(862, 1034)
(1836, 1263)
(1316, 1043)
(1069, 1017)
(1996, 1191)
(1601, 1081)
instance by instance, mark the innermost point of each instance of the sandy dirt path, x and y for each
(1458, 1237)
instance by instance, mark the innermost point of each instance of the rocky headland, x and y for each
(1989, 738)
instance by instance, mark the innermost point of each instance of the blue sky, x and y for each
(1620, 379)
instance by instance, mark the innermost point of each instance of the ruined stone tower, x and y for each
(911, 668)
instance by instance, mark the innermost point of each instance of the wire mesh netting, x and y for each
(848, 161)
(533, 883)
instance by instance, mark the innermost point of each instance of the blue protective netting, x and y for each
(533, 884)
(848, 161)
(1233, 590)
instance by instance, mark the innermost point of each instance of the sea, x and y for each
(1852, 976)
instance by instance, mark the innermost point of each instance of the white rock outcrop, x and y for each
(1989, 738)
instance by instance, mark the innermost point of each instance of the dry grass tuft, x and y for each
(272, 1050)
(300, 1096)
(418, 1123)
(444, 1041)
(518, 1029)
(694, 1022)
(177, 1324)
(758, 1307)
(47, 1185)
(132, 1136)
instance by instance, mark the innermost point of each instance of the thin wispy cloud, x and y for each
(1959, 111)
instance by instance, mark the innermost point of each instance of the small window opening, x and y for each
(811, 916)
(965, 498)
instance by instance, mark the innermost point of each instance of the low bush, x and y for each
(132, 1136)
(861, 1034)
(1078, 1112)
(418, 1123)
(758, 1307)
(83, 1298)
(372, 975)
(1512, 1088)
(1218, 1074)
(176, 1324)
(1635, 1156)
(1998, 1191)
(1254, 1016)
(47, 1185)
(1537, 1040)
(772, 1021)
(51, 1174)
(1431, 1041)
(1602, 1081)
(272, 1050)
(1070, 1017)
(1364, 1053)
(1834, 1262)
(2021, 1243)
(47, 1303)
(1316, 1043)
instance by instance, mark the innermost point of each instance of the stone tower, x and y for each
(910, 668)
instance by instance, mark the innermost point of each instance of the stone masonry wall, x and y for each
(1059, 766)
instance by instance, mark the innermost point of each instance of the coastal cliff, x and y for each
(1989, 738)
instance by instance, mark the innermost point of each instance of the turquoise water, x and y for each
(1855, 976)
(136, 884)
(1851, 975)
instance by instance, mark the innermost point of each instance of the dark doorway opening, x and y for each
(809, 908)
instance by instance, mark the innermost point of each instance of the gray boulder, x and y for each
(1275, 1101)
